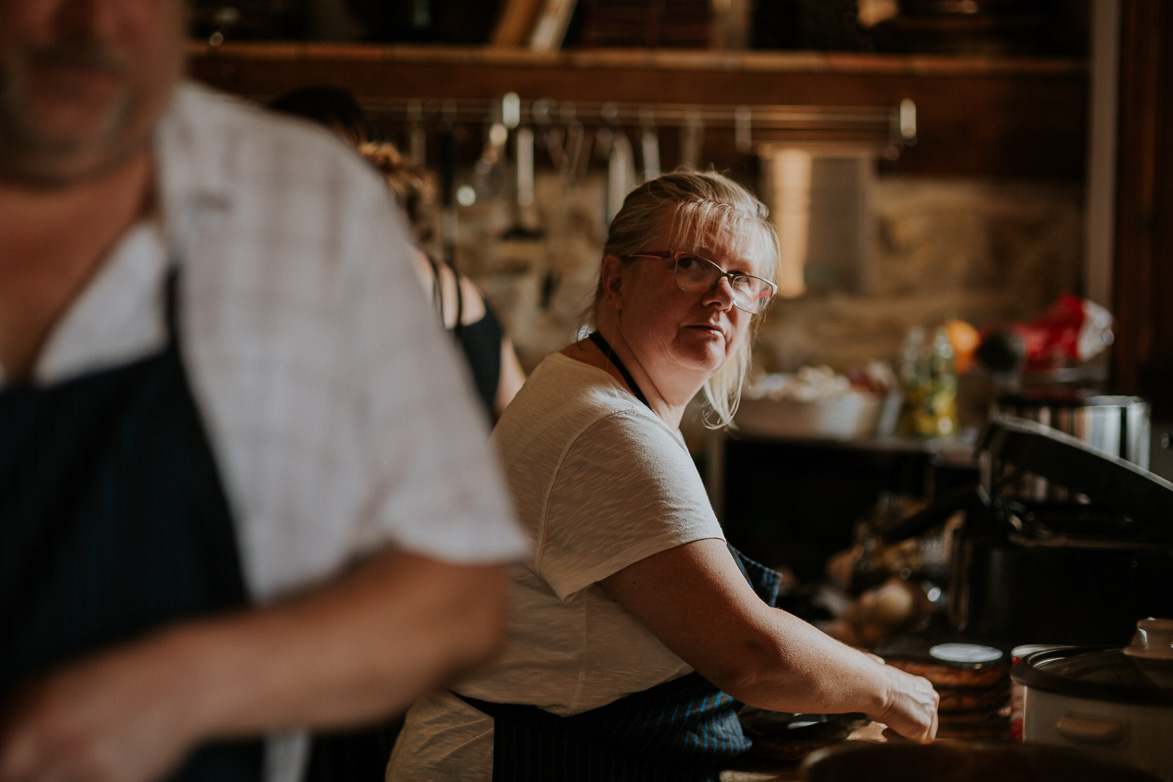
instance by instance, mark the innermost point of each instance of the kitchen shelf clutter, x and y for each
(976, 115)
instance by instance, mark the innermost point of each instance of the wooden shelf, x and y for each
(976, 116)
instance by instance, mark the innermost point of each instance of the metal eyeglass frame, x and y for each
(762, 300)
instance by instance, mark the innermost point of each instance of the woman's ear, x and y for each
(612, 276)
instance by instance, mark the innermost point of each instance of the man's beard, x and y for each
(32, 150)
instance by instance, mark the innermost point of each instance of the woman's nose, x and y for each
(721, 293)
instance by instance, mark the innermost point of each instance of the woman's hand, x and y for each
(910, 710)
(697, 602)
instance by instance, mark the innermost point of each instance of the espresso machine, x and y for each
(1060, 542)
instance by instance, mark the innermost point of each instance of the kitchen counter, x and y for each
(798, 500)
(765, 771)
(753, 770)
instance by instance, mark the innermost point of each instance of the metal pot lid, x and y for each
(1097, 673)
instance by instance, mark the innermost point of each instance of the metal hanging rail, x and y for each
(884, 128)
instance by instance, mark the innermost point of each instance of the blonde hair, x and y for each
(412, 185)
(697, 207)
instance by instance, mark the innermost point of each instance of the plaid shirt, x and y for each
(340, 414)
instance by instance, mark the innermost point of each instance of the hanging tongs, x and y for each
(523, 202)
(621, 174)
(649, 144)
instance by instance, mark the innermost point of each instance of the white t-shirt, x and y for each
(341, 417)
(600, 483)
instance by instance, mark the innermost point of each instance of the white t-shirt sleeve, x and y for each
(626, 489)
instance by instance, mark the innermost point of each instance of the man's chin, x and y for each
(61, 166)
(52, 148)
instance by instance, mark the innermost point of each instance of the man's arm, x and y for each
(363, 646)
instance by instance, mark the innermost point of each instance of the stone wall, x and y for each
(982, 251)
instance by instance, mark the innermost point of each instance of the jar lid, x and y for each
(1096, 673)
(971, 654)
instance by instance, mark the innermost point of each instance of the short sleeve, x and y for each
(435, 483)
(626, 489)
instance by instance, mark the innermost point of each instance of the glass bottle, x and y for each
(936, 414)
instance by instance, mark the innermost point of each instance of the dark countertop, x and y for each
(753, 770)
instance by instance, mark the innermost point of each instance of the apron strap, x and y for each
(602, 344)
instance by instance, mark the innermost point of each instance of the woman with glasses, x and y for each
(634, 626)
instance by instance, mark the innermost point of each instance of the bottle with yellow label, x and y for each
(935, 411)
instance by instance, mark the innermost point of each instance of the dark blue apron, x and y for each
(113, 522)
(684, 730)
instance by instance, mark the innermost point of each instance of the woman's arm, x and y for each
(695, 599)
(361, 647)
(511, 380)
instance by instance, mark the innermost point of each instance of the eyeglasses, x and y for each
(695, 274)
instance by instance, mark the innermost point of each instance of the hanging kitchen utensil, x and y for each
(489, 175)
(524, 191)
(649, 143)
(743, 129)
(523, 166)
(692, 134)
(603, 140)
(570, 150)
(621, 175)
(571, 147)
(417, 135)
(520, 242)
(547, 135)
(613, 146)
(525, 185)
(446, 150)
(579, 147)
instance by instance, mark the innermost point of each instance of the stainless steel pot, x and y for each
(1116, 703)
(962, 762)
(1119, 426)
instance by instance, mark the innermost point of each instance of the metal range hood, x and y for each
(817, 183)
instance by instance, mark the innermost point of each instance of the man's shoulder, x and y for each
(224, 142)
(212, 110)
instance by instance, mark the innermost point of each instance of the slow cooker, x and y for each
(1114, 702)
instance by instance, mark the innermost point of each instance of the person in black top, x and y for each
(462, 307)
(496, 372)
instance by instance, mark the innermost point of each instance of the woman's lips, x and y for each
(709, 327)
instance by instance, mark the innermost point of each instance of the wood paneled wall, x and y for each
(1143, 270)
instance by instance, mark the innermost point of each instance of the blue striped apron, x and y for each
(113, 522)
(684, 730)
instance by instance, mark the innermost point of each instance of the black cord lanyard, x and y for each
(602, 344)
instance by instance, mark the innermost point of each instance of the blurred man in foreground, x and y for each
(244, 489)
